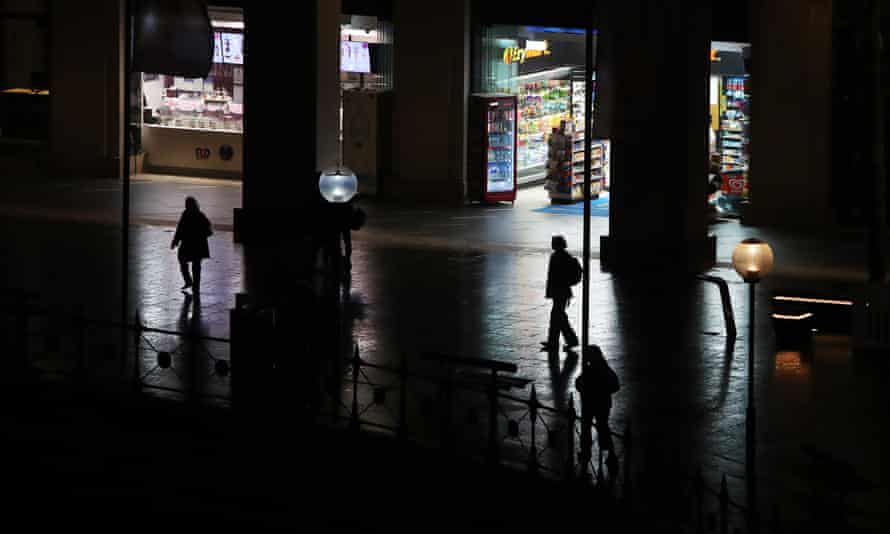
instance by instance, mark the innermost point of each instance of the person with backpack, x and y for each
(596, 384)
(563, 272)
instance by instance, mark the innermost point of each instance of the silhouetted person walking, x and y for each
(564, 272)
(191, 236)
(596, 384)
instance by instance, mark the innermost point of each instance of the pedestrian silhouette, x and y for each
(596, 384)
(191, 236)
(563, 272)
(343, 218)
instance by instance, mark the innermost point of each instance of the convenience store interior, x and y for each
(544, 68)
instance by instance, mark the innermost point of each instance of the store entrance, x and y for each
(541, 71)
(729, 128)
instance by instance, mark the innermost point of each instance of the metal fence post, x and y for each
(724, 506)
(354, 422)
(570, 441)
(533, 417)
(403, 397)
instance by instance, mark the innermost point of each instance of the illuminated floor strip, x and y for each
(815, 301)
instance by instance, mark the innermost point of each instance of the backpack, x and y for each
(575, 272)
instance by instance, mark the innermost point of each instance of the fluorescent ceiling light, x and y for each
(227, 24)
(541, 75)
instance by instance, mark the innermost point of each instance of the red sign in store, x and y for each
(733, 184)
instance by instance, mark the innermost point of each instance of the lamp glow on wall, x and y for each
(338, 185)
(753, 260)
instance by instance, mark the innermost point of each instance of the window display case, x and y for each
(194, 126)
(214, 103)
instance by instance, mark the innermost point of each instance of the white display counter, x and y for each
(192, 151)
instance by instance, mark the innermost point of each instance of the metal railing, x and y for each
(470, 415)
(458, 413)
(51, 343)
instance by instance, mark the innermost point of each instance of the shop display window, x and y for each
(544, 68)
(214, 103)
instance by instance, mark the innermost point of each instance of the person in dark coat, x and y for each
(596, 384)
(191, 236)
(559, 288)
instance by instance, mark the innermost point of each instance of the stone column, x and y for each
(328, 110)
(652, 80)
(87, 106)
(791, 143)
(280, 185)
(431, 87)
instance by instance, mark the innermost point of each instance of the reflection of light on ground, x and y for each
(788, 364)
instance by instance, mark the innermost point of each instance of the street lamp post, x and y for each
(753, 260)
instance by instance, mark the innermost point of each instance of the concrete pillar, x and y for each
(431, 89)
(87, 105)
(652, 79)
(280, 184)
(791, 146)
(328, 110)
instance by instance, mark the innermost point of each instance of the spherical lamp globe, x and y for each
(338, 185)
(752, 259)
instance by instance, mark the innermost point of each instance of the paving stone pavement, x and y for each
(683, 390)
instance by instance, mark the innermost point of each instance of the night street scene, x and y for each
(257, 277)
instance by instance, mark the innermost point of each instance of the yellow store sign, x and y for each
(515, 54)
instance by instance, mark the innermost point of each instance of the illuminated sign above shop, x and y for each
(515, 54)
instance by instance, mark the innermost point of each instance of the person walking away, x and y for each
(596, 384)
(191, 236)
(563, 272)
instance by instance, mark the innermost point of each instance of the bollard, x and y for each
(775, 521)
(570, 430)
(724, 506)
(80, 326)
(628, 454)
(21, 329)
(403, 398)
(533, 417)
(493, 448)
(137, 363)
(194, 357)
(698, 486)
(354, 421)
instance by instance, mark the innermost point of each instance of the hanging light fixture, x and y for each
(338, 185)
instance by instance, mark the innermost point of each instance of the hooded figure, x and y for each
(191, 236)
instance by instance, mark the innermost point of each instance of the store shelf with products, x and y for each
(543, 105)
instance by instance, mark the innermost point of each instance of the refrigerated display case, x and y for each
(492, 143)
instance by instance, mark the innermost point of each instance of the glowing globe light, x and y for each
(338, 185)
(752, 259)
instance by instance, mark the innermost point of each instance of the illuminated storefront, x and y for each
(195, 125)
(544, 68)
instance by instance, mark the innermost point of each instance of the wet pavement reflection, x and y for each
(683, 386)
